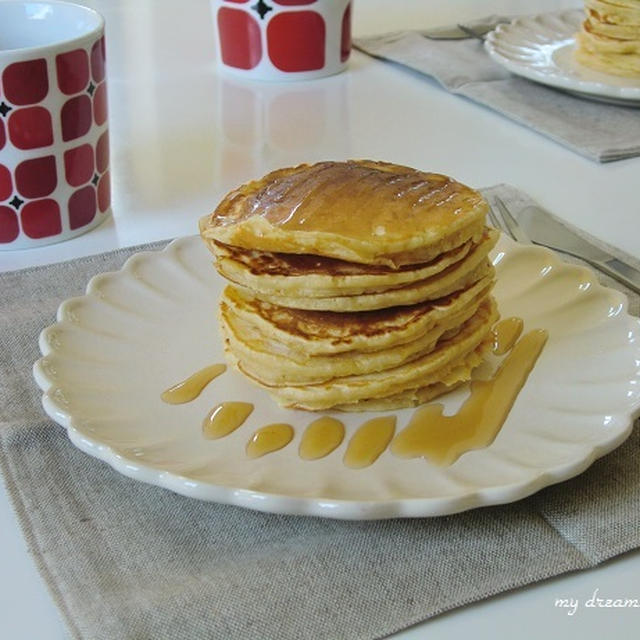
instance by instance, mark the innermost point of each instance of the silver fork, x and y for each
(461, 31)
(506, 222)
(561, 239)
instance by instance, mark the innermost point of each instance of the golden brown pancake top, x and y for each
(359, 210)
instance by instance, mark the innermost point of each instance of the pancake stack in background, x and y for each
(609, 40)
(355, 285)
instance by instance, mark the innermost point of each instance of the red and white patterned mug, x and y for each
(283, 39)
(54, 141)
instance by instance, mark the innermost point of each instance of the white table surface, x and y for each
(182, 136)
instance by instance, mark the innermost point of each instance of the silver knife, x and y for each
(475, 29)
(453, 32)
(545, 230)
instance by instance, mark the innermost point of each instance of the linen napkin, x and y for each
(602, 132)
(128, 561)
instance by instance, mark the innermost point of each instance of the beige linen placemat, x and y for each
(129, 561)
(602, 132)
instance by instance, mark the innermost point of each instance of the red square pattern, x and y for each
(26, 82)
(104, 192)
(30, 128)
(73, 71)
(9, 227)
(37, 177)
(41, 218)
(296, 41)
(102, 152)
(100, 104)
(82, 207)
(345, 40)
(79, 165)
(76, 117)
(98, 61)
(240, 40)
(3, 135)
(6, 187)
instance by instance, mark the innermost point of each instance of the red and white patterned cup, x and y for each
(283, 39)
(54, 141)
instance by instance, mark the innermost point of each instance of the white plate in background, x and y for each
(540, 48)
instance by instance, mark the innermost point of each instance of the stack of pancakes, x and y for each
(609, 40)
(355, 285)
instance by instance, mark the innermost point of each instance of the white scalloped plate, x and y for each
(541, 48)
(140, 330)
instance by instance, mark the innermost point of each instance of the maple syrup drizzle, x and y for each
(320, 438)
(225, 418)
(369, 441)
(505, 334)
(269, 439)
(192, 387)
(429, 434)
(443, 439)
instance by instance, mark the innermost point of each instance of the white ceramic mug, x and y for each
(54, 145)
(282, 39)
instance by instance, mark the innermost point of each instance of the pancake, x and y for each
(450, 380)
(592, 55)
(449, 362)
(273, 363)
(311, 333)
(359, 211)
(317, 276)
(457, 277)
(355, 285)
(594, 24)
(620, 12)
(609, 40)
(607, 45)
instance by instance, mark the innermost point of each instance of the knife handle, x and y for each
(621, 272)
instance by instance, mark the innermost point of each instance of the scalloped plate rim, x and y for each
(344, 509)
(317, 506)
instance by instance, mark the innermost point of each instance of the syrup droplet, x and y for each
(225, 418)
(269, 439)
(320, 438)
(369, 441)
(192, 387)
(505, 334)
(443, 439)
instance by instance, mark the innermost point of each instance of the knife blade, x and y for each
(474, 29)
(445, 33)
(543, 229)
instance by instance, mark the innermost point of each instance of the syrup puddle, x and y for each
(269, 439)
(225, 418)
(192, 387)
(443, 439)
(505, 334)
(320, 438)
(369, 442)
